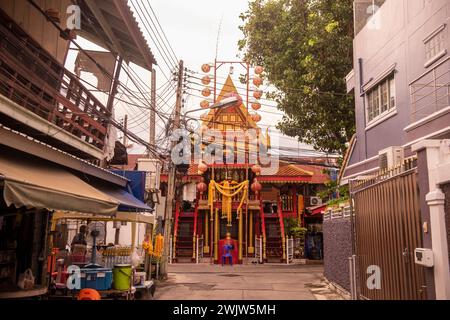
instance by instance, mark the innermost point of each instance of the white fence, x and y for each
(199, 250)
(259, 250)
(337, 213)
(289, 250)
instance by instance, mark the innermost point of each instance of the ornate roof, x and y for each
(231, 118)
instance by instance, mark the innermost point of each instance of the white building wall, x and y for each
(189, 191)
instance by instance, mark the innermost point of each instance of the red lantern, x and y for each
(204, 104)
(202, 167)
(206, 68)
(257, 94)
(259, 70)
(206, 80)
(201, 187)
(206, 92)
(256, 117)
(256, 169)
(256, 106)
(256, 187)
(257, 81)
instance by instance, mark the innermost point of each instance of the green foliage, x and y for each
(338, 201)
(292, 229)
(305, 47)
(332, 187)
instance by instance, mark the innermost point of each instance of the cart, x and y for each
(59, 273)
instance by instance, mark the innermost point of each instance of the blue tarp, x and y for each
(137, 182)
(127, 201)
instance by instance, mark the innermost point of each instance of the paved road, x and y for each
(242, 282)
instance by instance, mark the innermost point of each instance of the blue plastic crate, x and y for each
(96, 278)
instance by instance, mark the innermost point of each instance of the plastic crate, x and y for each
(96, 278)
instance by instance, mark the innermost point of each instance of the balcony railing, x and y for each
(431, 91)
(33, 79)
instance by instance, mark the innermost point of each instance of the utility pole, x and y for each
(172, 175)
(125, 126)
(117, 223)
(152, 139)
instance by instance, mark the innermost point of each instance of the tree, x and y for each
(305, 47)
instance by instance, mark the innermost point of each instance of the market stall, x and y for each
(116, 271)
(31, 190)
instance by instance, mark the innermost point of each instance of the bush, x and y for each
(292, 229)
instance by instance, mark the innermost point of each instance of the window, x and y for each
(381, 99)
(435, 44)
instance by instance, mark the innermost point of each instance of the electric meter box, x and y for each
(424, 257)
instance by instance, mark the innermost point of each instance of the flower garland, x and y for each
(228, 192)
(157, 250)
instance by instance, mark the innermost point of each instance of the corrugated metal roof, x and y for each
(112, 24)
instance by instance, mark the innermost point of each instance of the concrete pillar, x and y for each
(436, 200)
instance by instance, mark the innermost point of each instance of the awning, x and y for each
(316, 210)
(36, 183)
(127, 202)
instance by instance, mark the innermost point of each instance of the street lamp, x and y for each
(221, 104)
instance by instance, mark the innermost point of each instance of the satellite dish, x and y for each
(96, 230)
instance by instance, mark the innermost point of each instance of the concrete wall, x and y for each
(337, 249)
(125, 238)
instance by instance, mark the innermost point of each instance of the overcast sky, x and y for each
(193, 28)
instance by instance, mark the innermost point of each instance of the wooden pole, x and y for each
(111, 97)
(172, 175)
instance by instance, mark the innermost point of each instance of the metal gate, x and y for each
(387, 230)
(258, 250)
(199, 250)
(289, 250)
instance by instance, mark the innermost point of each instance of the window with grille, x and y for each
(381, 99)
(435, 45)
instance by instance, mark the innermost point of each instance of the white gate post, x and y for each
(438, 162)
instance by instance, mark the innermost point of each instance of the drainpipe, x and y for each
(362, 94)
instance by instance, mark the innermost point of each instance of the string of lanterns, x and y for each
(257, 93)
(206, 92)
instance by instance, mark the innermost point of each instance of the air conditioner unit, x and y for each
(315, 201)
(390, 157)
